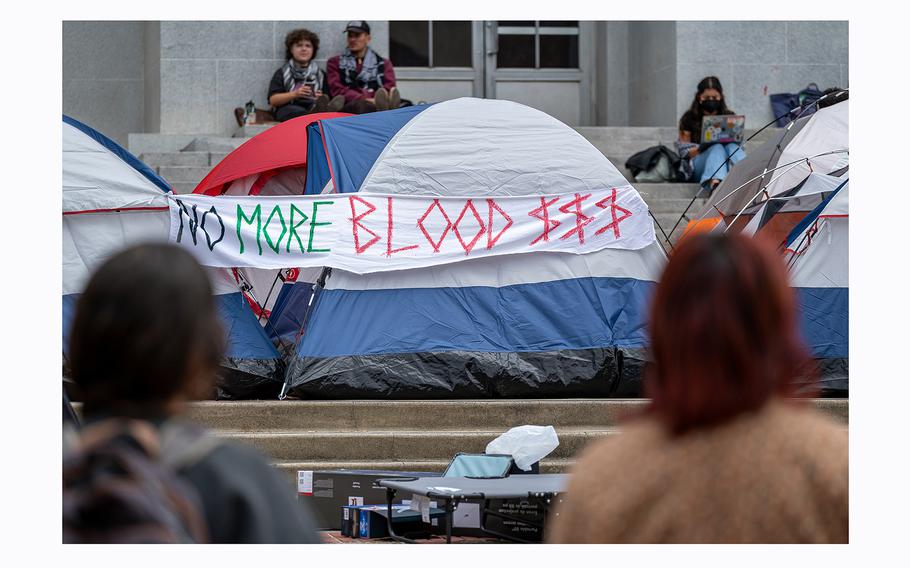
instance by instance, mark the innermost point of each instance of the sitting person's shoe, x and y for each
(322, 103)
(239, 116)
(381, 100)
(394, 98)
(336, 104)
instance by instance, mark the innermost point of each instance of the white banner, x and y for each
(366, 233)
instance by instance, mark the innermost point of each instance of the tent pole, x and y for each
(320, 283)
(773, 179)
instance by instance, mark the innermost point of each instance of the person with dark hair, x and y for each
(707, 164)
(145, 340)
(725, 452)
(362, 76)
(298, 87)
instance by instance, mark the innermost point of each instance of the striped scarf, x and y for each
(370, 75)
(293, 74)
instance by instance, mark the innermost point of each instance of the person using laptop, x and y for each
(704, 161)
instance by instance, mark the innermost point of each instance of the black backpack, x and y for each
(655, 164)
(120, 483)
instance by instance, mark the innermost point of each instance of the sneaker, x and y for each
(336, 104)
(394, 98)
(381, 99)
(322, 103)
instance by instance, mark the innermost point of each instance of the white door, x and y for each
(543, 64)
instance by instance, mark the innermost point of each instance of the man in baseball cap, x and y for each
(362, 76)
(358, 26)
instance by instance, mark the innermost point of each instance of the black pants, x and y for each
(290, 110)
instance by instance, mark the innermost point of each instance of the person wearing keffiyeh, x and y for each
(298, 87)
(362, 76)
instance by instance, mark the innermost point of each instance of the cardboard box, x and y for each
(324, 493)
(372, 521)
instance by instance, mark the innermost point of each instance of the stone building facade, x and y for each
(186, 77)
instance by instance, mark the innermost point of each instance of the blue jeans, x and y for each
(706, 163)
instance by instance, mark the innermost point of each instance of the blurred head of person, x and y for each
(146, 336)
(723, 332)
(358, 36)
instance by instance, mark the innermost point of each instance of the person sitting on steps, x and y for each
(362, 76)
(298, 87)
(706, 164)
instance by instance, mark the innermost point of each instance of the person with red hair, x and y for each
(726, 452)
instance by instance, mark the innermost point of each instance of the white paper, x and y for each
(365, 233)
(421, 503)
(467, 515)
(304, 482)
(355, 501)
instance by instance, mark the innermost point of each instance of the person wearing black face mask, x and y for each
(706, 164)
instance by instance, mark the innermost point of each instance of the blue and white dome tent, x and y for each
(112, 200)
(817, 254)
(525, 325)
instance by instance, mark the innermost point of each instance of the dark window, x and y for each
(515, 51)
(430, 44)
(559, 51)
(452, 44)
(409, 44)
(538, 45)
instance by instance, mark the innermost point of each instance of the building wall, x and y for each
(209, 68)
(104, 76)
(755, 59)
(187, 77)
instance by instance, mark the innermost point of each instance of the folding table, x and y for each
(452, 490)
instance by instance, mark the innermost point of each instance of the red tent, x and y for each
(271, 163)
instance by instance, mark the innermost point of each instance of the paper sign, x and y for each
(365, 233)
(467, 515)
(355, 501)
(305, 483)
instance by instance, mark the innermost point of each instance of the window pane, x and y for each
(451, 44)
(559, 24)
(409, 44)
(515, 51)
(516, 23)
(559, 51)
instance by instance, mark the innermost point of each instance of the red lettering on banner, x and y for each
(388, 246)
(423, 229)
(491, 205)
(543, 213)
(355, 220)
(580, 218)
(614, 224)
(480, 231)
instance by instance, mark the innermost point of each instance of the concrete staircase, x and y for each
(183, 160)
(415, 435)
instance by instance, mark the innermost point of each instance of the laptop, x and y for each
(722, 128)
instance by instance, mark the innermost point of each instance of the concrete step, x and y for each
(290, 468)
(666, 190)
(396, 445)
(673, 206)
(183, 159)
(214, 144)
(216, 157)
(183, 187)
(250, 130)
(183, 174)
(435, 415)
